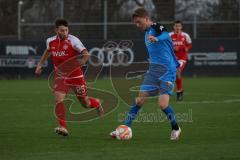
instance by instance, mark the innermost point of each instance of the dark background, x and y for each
(214, 26)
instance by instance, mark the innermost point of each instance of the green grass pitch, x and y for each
(211, 129)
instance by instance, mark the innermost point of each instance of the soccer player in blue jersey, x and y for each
(160, 77)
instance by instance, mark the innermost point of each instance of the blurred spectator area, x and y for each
(111, 19)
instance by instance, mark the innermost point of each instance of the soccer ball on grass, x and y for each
(123, 132)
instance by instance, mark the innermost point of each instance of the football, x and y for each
(123, 132)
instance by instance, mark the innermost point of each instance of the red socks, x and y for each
(94, 103)
(179, 84)
(60, 112)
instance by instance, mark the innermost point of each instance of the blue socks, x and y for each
(132, 115)
(171, 116)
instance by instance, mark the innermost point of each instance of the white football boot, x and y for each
(100, 111)
(61, 131)
(113, 134)
(175, 134)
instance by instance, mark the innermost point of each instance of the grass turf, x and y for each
(210, 129)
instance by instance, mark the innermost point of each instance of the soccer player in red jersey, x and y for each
(182, 44)
(64, 49)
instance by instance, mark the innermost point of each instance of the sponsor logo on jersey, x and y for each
(58, 54)
(178, 43)
(65, 46)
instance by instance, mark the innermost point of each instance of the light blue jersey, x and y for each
(161, 52)
(161, 75)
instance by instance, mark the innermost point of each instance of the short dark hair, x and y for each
(177, 22)
(140, 12)
(61, 22)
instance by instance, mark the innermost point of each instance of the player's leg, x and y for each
(179, 80)
(179, 85)
(167, 109)
(60, 112)
(139, 101)
(85, 100)
(148, 88)
(166, 89)
(60, 91)
(91, 103)
(133, 111)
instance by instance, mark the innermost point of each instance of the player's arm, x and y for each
(161, 37)
(188, 47)
(41, 62)
(80, 48)
(85, 56)
(188, 43)
(161, 32)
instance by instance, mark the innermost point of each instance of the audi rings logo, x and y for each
(112, 53)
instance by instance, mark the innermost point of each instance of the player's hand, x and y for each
(38, 69)
(81, 63)
(186, 49)
(152, 39)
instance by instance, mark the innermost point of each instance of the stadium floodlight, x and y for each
(20, 2)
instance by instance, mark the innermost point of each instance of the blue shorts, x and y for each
(158, 80)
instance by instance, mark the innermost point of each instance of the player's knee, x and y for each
(163, 104)
(179, 74)
(58, 98)
(140, 101)
(58, 101)
(163, 101)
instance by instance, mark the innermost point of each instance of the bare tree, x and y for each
(8, 17)
(185, 9)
